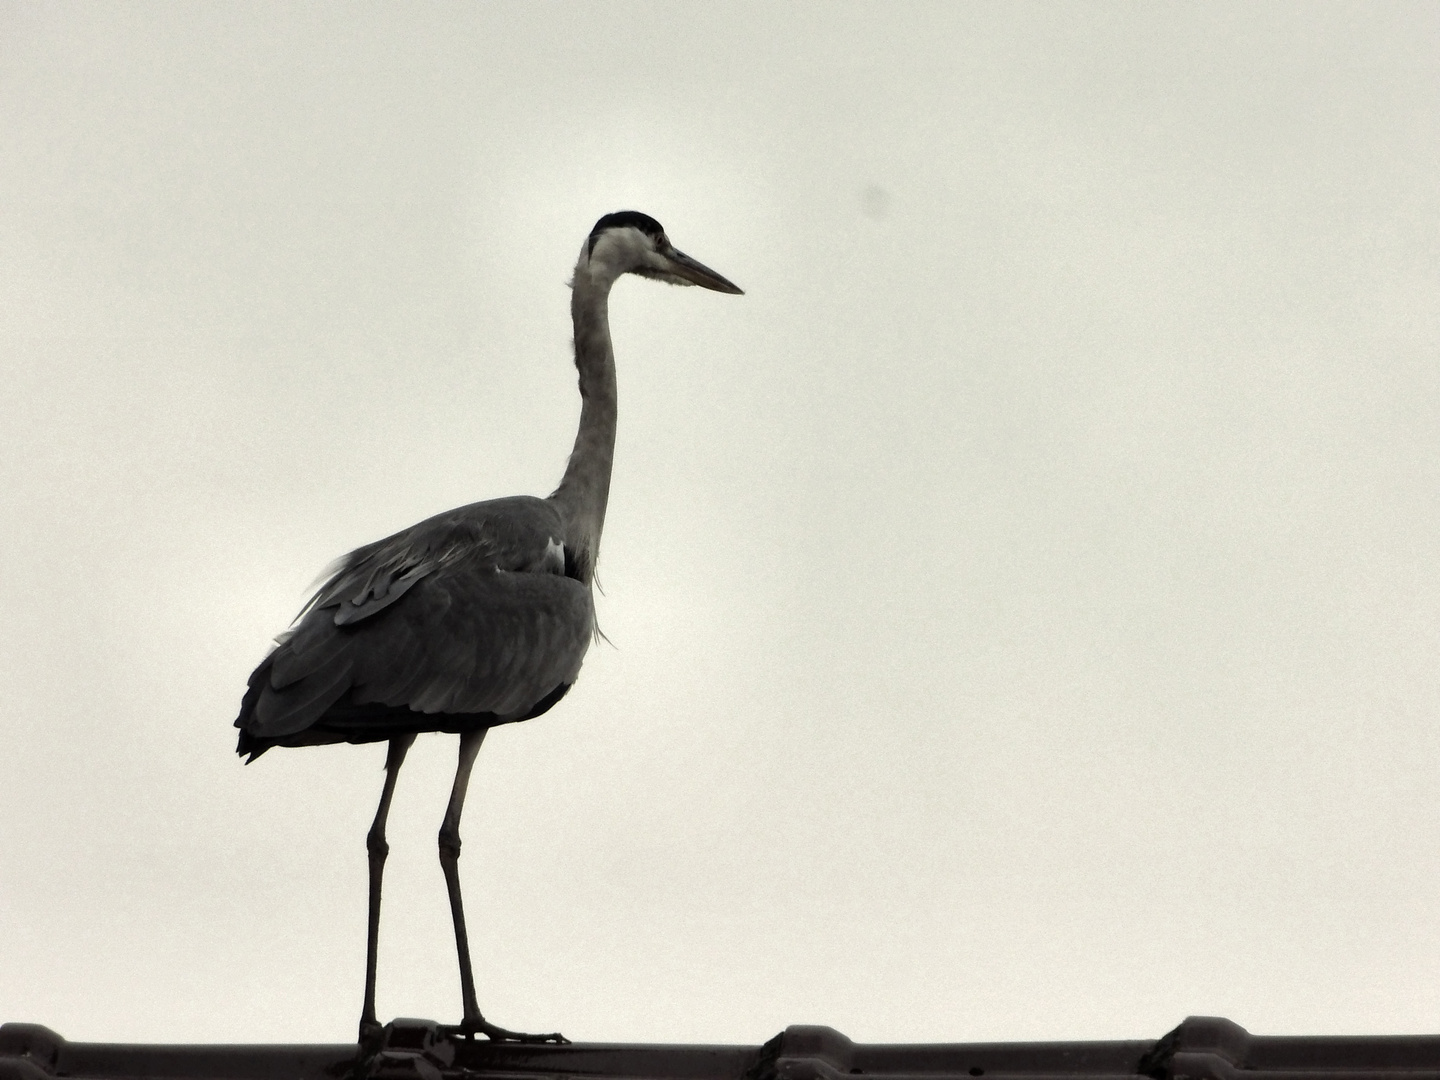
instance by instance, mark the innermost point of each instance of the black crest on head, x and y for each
(619, 220)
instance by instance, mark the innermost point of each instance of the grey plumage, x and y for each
(464, 620)
(473, 618)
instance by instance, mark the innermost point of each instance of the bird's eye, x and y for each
(662, 241)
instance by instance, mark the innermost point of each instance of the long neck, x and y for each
(585, 489)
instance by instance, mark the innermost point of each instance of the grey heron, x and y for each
(473, 618)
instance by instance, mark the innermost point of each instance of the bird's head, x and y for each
(630, 242)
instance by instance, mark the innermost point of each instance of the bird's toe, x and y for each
(495, 1033)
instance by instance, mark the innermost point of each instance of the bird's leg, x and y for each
(450, 862)
(473, 1022)
(377, 847)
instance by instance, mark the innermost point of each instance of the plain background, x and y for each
(1023, 601)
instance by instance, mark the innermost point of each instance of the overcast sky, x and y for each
(1025, 601)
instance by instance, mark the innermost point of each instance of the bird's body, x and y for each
(467, 620)
(473, 618)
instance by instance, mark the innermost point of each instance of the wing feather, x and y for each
(305, 652)
(287, 713)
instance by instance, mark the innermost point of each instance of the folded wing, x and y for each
(462, 620)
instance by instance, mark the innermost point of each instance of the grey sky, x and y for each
(1024, 600)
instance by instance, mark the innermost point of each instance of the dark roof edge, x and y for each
(1204, 1048)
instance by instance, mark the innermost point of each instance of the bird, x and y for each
(473, 618)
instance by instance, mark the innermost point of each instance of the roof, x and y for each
(1204, 1048)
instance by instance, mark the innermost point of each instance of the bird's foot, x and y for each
(470, 1028)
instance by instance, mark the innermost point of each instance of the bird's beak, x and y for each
(682, 266)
